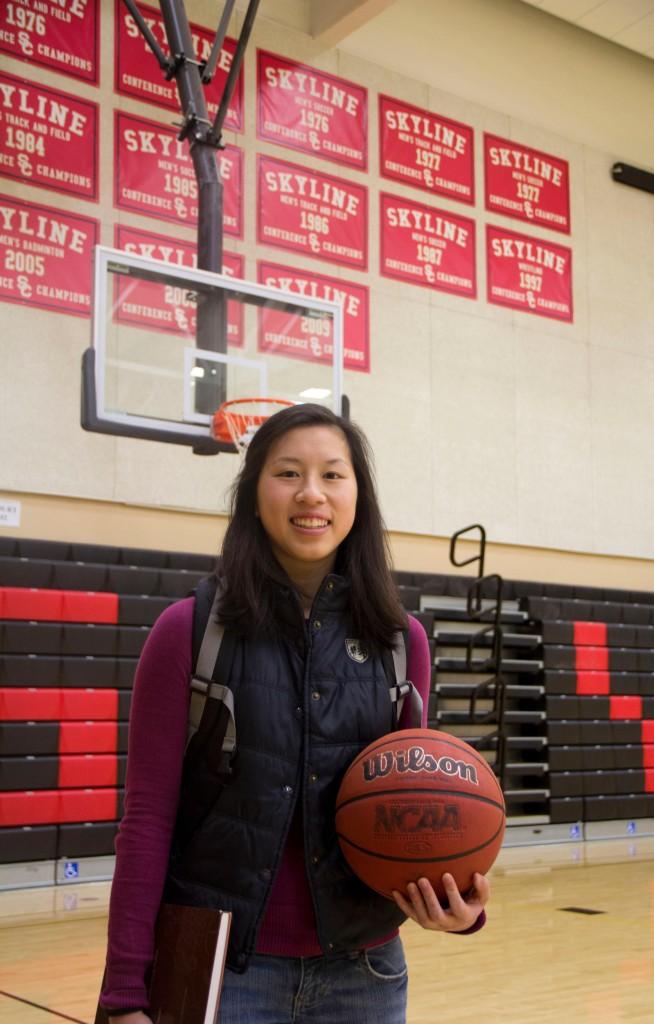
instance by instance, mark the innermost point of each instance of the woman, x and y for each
(304, 572)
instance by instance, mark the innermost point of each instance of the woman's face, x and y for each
(306, 498)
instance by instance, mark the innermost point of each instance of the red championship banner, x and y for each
(312, 213)
(525, 183)
(427, 150)
(308, 337)
(46, 257)
(48, 138)
(58, 34)
(154, 174)
(426, 246)
(531, 274)
(138, 74)
(169, 308)
(306, 109)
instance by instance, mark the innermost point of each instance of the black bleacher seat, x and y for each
(17, 773)
(132, 579)
(72, 639)
(49, 550)
(29, 843)
(16, 572)
(407, 579)
(145, 557)
(31, 738)
(100, 641)
(68, 671)
(203, 564)
(600, 808)
(131, 640)
(90, 839)
(410, 597)
(178, 583)
(79, 576)
(137, 610)
(99, 554)
(566, 809)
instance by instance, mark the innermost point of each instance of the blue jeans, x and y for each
(367, 987)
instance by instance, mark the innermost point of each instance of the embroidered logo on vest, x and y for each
(356, 651)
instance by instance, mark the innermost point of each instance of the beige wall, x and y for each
(537, 429)
(51, 517)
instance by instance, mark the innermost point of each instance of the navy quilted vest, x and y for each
(303, 712)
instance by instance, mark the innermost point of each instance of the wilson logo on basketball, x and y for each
(414, 759)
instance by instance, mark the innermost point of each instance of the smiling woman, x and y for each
(306, 501)
(312, 616)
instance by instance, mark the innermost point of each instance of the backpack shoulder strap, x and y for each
(402, 687)
(212, 701)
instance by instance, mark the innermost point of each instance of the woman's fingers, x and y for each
(423, 906)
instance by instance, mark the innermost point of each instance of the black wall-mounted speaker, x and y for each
(633, 176)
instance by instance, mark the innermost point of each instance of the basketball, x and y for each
(418, 803)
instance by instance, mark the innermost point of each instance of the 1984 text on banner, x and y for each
(48, 138)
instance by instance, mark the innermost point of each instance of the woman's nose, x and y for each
(311, 491)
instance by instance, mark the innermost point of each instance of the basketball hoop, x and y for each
(239, 426)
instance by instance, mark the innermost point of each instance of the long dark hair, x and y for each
(252, 575)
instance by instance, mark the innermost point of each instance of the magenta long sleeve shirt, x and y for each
(157, 738)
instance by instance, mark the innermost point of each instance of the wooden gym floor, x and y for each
(570, 940)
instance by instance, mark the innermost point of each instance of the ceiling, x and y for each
(628, 23)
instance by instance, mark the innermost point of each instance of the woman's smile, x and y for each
(306, 499)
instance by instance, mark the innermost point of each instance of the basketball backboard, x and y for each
(147, 376)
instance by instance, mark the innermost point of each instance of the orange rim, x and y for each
(231, 425)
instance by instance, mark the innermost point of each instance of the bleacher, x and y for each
(576, 673)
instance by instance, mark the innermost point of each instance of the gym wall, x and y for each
(533, 426)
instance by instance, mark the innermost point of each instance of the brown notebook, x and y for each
(188, 966)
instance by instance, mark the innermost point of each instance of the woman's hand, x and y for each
(138, 1017)
(424, 907)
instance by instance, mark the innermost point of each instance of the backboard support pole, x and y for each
(211, 332)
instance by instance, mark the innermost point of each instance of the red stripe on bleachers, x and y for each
(647, 731)
(88, 704)
(53, 806)
(649, 780)
(43, 704)
(589, 634)
(33, 604)
(648, 755)
(77, 770)
(625, 707)
(88, 737)
(593, 683)
(591, 659)
(29, 704)
(88, 606)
